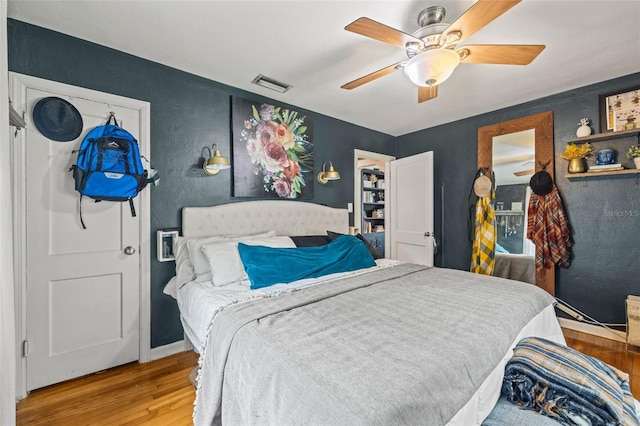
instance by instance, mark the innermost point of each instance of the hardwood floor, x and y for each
(159, 392)
(609, 351)
(155, 393)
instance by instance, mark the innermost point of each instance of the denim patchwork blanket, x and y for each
(569, 386)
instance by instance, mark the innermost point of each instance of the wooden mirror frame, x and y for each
(542, 123)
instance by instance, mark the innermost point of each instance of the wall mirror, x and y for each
(514, 150)
(513, 165)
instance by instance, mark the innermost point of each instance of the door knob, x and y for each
(129, 250)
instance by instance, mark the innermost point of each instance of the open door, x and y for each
(411, 209)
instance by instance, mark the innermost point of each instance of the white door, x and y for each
(82, 289)
(411, 209)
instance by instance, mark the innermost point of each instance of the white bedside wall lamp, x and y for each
(326, 176)
(216, 162)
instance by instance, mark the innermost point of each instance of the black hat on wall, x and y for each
(541, 183)
(57, 119)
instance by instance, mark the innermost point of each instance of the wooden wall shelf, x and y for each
(601, 137)
(604, 173)
(606, 136)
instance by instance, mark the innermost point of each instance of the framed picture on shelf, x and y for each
(620, 111)
(626, 119)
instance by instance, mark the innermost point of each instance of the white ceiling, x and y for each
(304, 43)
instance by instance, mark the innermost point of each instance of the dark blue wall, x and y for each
(604, 212)
(187, 114)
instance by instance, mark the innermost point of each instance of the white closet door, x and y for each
(82, 287)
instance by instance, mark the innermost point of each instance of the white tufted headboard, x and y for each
(254, 217)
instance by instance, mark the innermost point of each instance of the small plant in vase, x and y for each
(584, 129)
(576, 155)
(634, 153)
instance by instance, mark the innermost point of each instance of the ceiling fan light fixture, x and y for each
(413, 48)
(451, 38)
(432, 67)
(431, 35)
(432, 48)
(431, 15)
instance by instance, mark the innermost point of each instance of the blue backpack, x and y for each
(109, 166)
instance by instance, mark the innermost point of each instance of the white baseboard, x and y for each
(170, 349)
(595, 330)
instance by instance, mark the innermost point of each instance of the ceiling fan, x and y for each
(434, 51)
(527, 171)
(524, 172)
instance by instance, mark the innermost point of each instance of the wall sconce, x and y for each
(332, 174)
(216, 162)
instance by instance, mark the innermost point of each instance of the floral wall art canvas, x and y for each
(272, 151)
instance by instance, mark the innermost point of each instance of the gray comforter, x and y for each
(401, 345)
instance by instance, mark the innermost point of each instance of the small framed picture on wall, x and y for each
(620, 111)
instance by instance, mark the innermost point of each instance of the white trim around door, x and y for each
(18, 85)
(7, 298)
(359, 154)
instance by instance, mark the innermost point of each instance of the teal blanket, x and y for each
(267, 266)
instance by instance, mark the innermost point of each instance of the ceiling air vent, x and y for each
(270, 83)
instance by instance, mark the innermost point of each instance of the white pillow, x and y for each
(200, 262)
(171, 289)
(184, 267)
(224, 259)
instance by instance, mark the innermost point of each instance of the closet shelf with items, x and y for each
(373, 203)
(599, 137)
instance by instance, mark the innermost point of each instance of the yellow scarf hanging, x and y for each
(484, 241)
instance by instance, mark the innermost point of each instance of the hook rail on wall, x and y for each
(15, 119)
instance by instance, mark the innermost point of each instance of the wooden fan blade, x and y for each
(477, 16)
(524, 172)
(506, 54)
(427, 93)
(370, 77)
(374, 29)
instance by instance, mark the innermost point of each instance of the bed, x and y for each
(517, 267)
(390, 343)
